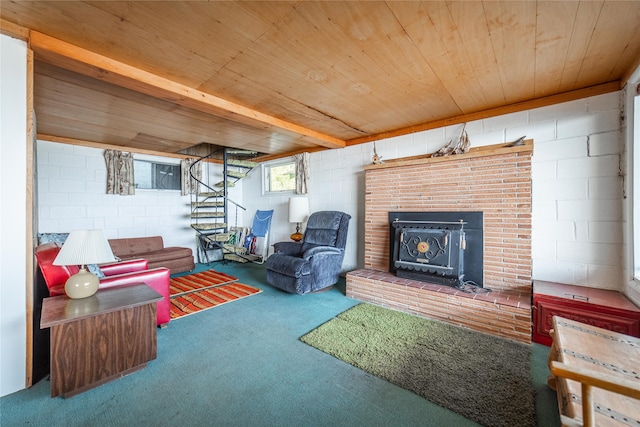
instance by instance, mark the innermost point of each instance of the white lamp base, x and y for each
(83, 284)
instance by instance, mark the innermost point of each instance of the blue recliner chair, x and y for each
(314, 263)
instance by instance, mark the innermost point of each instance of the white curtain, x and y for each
(119, 173)
(188, 184)
(302, 172)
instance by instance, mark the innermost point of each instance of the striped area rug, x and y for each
(194, 282)
(201, 291)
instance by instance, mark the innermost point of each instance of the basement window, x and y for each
(150, 175)
(279, 177)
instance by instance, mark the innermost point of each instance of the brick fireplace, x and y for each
(494, 180)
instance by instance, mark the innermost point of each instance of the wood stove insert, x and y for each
(437, 247)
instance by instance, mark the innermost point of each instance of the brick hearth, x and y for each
(495, 180)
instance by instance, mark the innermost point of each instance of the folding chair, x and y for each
(251, 244)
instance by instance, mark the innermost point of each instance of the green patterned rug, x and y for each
(481, 377)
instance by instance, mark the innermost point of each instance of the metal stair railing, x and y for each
(216, 235)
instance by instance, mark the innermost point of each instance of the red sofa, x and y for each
(118, 274)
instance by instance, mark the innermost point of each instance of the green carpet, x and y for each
(484, 378)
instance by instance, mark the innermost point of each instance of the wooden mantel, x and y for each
(487, 150)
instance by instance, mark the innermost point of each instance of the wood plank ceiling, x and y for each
(308, 75)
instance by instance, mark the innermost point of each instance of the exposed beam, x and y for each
(269, 157)
(103, 146)
(13, 30)
(77, 59)
(71, 141)
(30, 272)
(507, 109)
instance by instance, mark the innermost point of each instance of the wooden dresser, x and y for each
(605, 309)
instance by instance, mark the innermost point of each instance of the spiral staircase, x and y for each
(211, 206)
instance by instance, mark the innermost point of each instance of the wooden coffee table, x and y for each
(596, 373)
(101, 338)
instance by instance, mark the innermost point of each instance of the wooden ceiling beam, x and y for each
(493, 112)
(79, 60)
(91, 144)
(12, 30)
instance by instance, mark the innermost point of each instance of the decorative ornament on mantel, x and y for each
(459, 146)
(518, 142)
(376, 160)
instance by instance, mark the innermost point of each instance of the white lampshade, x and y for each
(84, 247)
(298, 209)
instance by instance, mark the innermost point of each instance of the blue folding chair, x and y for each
(257, 242)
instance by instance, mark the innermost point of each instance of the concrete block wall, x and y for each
(577, 195)
(576, 183)
(71, 182)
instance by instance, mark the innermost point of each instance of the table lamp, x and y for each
(84, 247)
(298, 213)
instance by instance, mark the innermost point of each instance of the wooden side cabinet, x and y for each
(98, 339)
(605, 309)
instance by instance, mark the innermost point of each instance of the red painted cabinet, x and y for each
(605, 309)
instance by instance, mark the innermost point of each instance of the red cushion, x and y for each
(156, 278)
(54, 275)
(123, 267)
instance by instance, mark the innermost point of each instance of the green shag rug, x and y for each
(481, 377)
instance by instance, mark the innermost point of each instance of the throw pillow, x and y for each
(52, 238)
